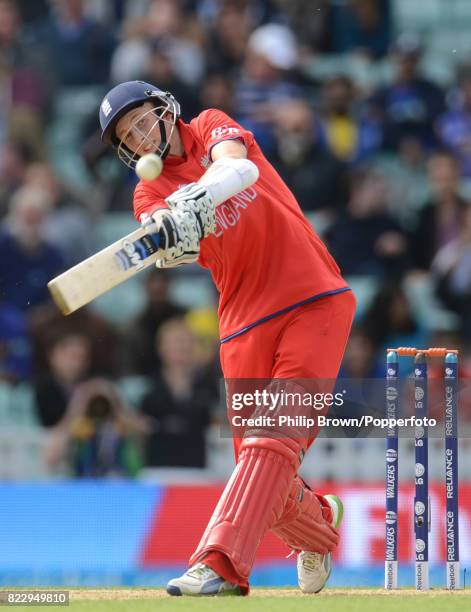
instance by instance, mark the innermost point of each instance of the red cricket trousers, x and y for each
(307, 342)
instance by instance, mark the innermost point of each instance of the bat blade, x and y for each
(106, 269)
(119, 261)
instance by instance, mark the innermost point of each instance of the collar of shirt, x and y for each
(175, 162)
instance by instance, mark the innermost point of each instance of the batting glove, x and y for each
(197, 199)
(179, 241)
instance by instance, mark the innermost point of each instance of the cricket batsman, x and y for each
(285, 313)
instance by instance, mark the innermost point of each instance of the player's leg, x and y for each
(314, 339)
(252, 501)
(309, 345)
(219, 563)
(249, 357)
(312, 348)
(266, 467)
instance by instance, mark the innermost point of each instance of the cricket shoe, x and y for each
(201, 580)
(314, 568)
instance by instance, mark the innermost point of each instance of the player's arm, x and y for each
(220, 152)
(229, 174)
(228, 148)
(192, 208)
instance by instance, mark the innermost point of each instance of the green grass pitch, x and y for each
(272, 600)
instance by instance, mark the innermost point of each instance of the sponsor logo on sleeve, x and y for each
(224, 130)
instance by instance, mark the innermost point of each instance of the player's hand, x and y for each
(196, 198)
(179, 236)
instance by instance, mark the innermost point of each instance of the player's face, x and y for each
(139, 129)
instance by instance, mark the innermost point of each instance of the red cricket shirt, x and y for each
(264, 257)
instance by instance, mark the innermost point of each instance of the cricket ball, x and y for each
(149, 167)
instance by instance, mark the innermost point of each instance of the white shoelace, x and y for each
(201, 571)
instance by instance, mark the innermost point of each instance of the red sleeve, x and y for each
(147, 199)
(215, 126)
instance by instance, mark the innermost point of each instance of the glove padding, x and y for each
(196, 198)
(190, 218)
(178, 236)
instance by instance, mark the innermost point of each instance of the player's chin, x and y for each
(145, 151)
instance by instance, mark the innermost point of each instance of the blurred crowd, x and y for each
(377, 152)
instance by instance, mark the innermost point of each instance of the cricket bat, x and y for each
(138, 250)
(101, 272)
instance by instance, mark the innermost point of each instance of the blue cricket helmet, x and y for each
(125, 96)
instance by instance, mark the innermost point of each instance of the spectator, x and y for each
(407, 178)
(69, 363)
(410, 106)
(33, 10)
(132, 53)
(14, 159)
(266, 80)
(112, 183)
(68, 227)
(348, 136)
(204, 324)
(167, 19)
(141, 356)
(361, 26)
(179, 405)
(359, 366)
(366, 239)
(79, 49)
(101, 336)
(217, 91)
(311, 20)
(97, 436)
(390, 320)
(27, 260)
(15, 345)
(360, 359)
(228, 39)
(315, 176)
(160, 69)
(23, 88)
(452, 270)
(454, 126)
(257, 11)
(440, 220)
(169, 28)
